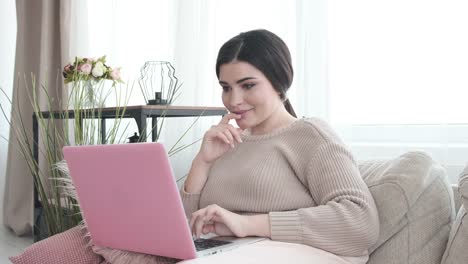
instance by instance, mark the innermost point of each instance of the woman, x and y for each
(275, 176)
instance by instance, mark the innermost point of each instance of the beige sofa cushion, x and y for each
(457, 246)
(416, 209)
(456, 197)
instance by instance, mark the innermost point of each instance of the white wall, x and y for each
(7, 55)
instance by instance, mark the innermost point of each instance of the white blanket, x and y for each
(272, 252)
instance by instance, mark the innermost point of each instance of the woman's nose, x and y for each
(236, 97)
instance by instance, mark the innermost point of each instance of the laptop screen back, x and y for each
(129, 199)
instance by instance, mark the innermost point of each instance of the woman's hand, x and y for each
(219, 139)
(216, 141)
(215, 219)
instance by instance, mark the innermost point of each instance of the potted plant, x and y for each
(76, 122)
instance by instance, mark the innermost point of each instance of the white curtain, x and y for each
(189, 34)
(389, 76)
(7, 53)
(398, 77)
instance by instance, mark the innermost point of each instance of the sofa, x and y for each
(421, 214)
(422, 218)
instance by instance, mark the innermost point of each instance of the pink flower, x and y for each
(86, 68)
(115, 74)
(67, 68)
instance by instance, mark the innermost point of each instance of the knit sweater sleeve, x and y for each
(345, 220)
(190, 201)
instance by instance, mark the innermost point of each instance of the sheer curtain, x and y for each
(189, 35)
(7, 53)
(398, 77)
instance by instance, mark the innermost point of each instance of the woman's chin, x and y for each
(242, 124)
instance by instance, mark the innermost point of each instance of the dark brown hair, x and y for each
(265, 51)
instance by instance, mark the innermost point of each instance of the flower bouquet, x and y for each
(87, 76)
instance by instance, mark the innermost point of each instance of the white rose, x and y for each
(98, 69)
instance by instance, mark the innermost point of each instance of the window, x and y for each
(398, 62)
(398, 77)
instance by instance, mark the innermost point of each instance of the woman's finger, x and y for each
(226, 118)
(193, 220)
(199, 226)
(223, 137)
(229, 136)
(208, 228)
(236, 133)
(215, 213)
(217, 218)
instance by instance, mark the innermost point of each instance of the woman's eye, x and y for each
(225, 88)
(248, 85)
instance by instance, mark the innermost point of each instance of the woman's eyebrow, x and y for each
(245, 79)
(239, 81)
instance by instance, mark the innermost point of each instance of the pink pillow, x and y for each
(116, 256)
(68, 247)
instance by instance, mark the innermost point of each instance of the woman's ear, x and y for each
(282, 96)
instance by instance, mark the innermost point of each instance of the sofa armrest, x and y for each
(455, 251)
(456, 197)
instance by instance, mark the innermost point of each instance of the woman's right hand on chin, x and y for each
(216, 141)
(219, 139)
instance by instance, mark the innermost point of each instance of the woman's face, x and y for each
(246, 91)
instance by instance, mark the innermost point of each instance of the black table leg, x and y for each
(103, 130)
(36, 151)
(37, 204)
(140, 119)
(154, 129)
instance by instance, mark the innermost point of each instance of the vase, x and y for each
(92, 96)
(86, 94)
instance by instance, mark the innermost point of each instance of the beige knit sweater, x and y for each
(307, 181)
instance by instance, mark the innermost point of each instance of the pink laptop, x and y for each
(130, 201)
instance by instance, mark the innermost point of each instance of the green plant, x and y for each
(57, 128)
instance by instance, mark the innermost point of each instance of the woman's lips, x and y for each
(242, 113)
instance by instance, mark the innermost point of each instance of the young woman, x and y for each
(276, 176)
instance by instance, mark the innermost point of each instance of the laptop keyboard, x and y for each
(202, 244)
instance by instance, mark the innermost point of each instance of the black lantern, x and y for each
(158, 79)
